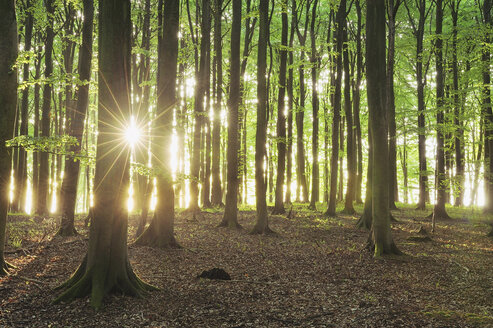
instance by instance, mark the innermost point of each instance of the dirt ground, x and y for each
(314, 272)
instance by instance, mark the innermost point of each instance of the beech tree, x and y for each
(106, 267)
(160, 232)
(230, 218)
(262, 223)
(380, 235)
(8, 99)
(77, 118)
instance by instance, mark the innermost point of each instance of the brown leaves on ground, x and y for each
(314, 272)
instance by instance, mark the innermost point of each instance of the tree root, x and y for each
(257, 230)
(5, 267)
(364, 222)
(225, 223)
(87, 281)
(278, 210)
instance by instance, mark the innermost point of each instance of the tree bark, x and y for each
(19, 201)
(8, 99)
(380, 235)
(351, 153)
(216, 196)
(439, 211)
(281, 117)
(340, 19)
(262, 223)
(106, 267)
(160, 232)
(78, 117)
(42, 204)
(230, 218)
(200, 92)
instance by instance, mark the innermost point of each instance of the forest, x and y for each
(246, 163)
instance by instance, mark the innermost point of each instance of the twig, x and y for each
(29, 279)
(463, 267)
(253, 282)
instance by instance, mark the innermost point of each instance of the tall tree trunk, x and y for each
(78, 117)
(439, 209)
(459, 131)
(37, 88)
(8, 99)
(160, 232)
(230, 218)
(19, 202)
(42, 201)
(216, 197)
(392, 7)
(418, 31)
(314, 60)
(340, 19)
(262, 223)
(106, 267)
(380, 235)
(356, 105)
(200, 92)
(289, 139)
(281, 117)
(351, 153)
(487, 112)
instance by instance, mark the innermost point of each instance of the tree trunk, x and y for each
(78, 117)
(289, 140)
(314, 60)
(356, 105)
(380, 235)
(351, 154)
(340, 19)
(37, 87)
(160, 232)
(392, 7)
(487, 113)
(216, 197)
(230, 218)
(42, 201)
(200, 91)
(8, 99)
(281, 117)
(19, 202)
(106, 268)
(439, 211)
(262, 223)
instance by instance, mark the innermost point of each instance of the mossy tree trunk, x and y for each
(230, 218)
(380, 235)
(160, 232)
(8, 99)
(78, 117)
(262, 223)
(106, 268)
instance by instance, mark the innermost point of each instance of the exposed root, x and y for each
(364, 222)
(348, 211)
(257, 230)
(330, 214)
(87, 281)
(380, 250)
(67, 231)
(5, 267)
(232, 224)
(278, 210)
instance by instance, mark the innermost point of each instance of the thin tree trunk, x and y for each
(281, 117)
(78, 117)
(42, 201)
(340, 18)
(262, 223)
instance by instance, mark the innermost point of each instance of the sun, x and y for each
(132, 134)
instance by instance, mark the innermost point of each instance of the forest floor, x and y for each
(313, 272)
